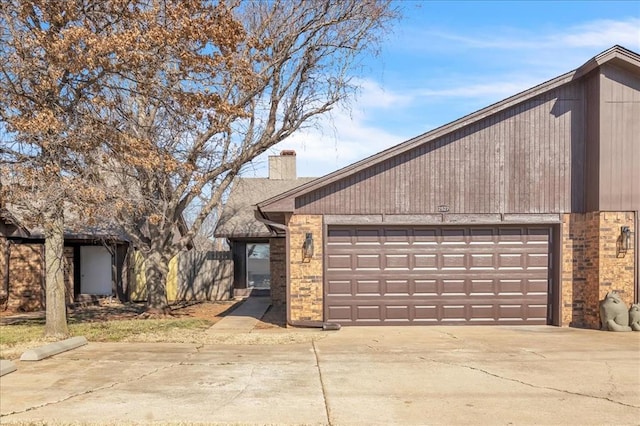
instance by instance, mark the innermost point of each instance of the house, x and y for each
(253, 246)
(522, 213)
(96, 264)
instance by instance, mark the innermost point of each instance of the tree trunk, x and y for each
(56, 310)
(156, 271)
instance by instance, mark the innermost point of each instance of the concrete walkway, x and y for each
(244, 318)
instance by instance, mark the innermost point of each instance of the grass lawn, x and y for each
(114, 322)
(16, 338)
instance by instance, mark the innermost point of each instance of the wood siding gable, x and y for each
(619, 133)
(538, 152)
(526, 159)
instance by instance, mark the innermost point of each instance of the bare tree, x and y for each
(43, 83)
(191, 91)
(66, 68)
(301, 57)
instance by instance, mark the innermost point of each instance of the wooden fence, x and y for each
(193, 276)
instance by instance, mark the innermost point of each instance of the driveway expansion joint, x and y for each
(88, 391)
(322, 385)
(535, 386)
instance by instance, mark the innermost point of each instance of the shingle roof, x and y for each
(238, 218)
(74, 228)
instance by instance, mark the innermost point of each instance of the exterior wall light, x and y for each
(625, 239)
(307, 247)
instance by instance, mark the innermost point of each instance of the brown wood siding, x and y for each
(592, 165)
(619, 188)
(516, 161)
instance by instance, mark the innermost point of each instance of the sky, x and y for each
(445, 59)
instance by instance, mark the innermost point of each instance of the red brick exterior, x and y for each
(26, 277)
(278, 263)
(306, 290)
(4, 246)
(593, 264)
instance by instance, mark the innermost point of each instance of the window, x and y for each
(258, 268)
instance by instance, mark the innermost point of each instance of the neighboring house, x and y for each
(525, 212)
(95, 264)
(251, 241)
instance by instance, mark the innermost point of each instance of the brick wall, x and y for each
(305, 276)
(278, 259)
(3, 269)
(26, 277)
(617, 270)
(592, 265)
(69, 274)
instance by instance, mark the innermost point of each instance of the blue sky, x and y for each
(446, 59)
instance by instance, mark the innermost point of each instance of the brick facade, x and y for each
(26, 277)
(3, 270)
(306, 289)
(69, 278)
(592, 265)
(278, 259)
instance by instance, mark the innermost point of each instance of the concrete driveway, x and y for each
(364, 375)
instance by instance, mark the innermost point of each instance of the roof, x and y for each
(75, 228)
(8, 218)
(238, 217)
(285, 202)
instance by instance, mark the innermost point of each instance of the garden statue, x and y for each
(613, 313)
(634, 317)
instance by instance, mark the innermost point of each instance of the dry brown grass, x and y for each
(117, 322)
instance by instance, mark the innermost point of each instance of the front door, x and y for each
(95, 270)
(258, 268)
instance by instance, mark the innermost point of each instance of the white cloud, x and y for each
(500, 89)
(599, 34)
(490, 66)
(344, 136)
(373, 96)
(602, 34)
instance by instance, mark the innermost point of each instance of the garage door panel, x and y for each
(537, 286)
(367, 287)
(511, 261)
(369, 313)
(453, 287)
(397, 262)
(537, 260)
(454, 312)
(479, 261)
(397, 313)
(425, 287)
(444, 275)
(479, 312)
(398, 287)
(368, 261)
(340, 261)
(425, 261)
(456, 261)
(335, 287)
(426, 312)
(340, 313)
(482, 287)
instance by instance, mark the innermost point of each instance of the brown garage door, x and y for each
(437, 275)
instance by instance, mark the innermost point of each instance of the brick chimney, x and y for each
(283, 166)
